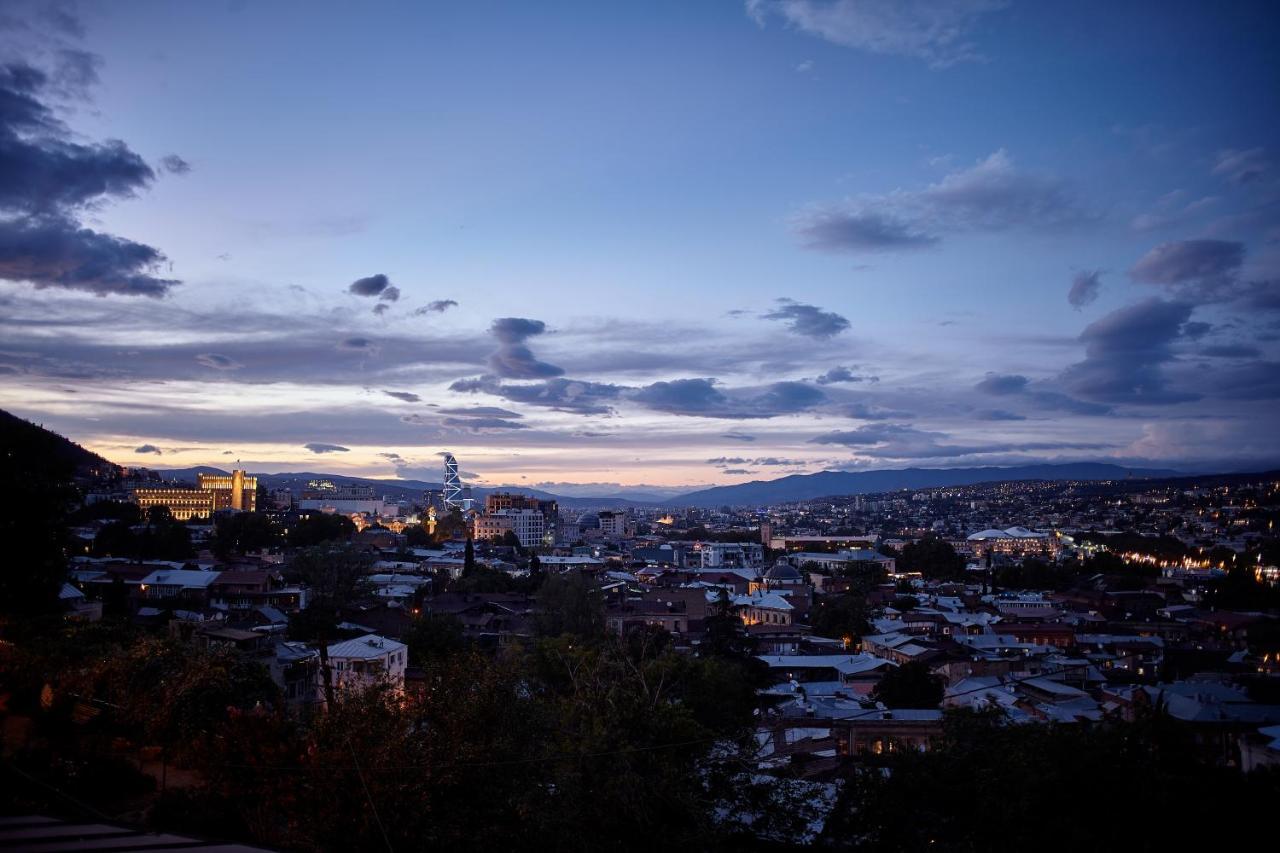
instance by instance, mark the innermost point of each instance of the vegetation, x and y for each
(934, 558)
(988, 785)
(911, 685)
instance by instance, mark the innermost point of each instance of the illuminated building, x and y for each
(215, 492)
(452, 483)
(325, 496)
(234, 491)
(529, 526)
(1014, 540)
(182, 503)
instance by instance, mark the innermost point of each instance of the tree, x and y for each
(242, 532)
(469, 557)
(932, 557)
(450, 526)
(335, 575)
(434, 635)
(991, 785)
(911, 685)
(318, 528)
(840, 616)
(570, 604)
(723, 633)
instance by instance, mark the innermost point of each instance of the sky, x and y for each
(595, 247)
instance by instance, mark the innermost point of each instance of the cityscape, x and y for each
(780, 425)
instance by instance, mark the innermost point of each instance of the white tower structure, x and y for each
(452, 484)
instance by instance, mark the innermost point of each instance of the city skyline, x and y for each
(662, 245)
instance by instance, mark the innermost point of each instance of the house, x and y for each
(368, 661)
(188, 585)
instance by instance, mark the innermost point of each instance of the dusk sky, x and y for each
(664, 243)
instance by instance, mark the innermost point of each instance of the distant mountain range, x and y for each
(405, 489)
(797, 487)
(800, 487)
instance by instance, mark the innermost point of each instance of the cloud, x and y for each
(701, 398)
(1002, 384)
(438, 306)
(1242, 167)
(47, 180)
(684, 397)
(990, 196)
(357, 344)
(175, 165)
(75, 72)
(808, 320)
(566, 395)
(737, 472)
(373, 285)
(837, 375)
(390, 294)
(479, 412)
(514, 360)
(148, 448)
(1084, 288)
(404, 395)
(1230, 351)
(1184, 261)
(320, 447)
(1007, 385)
(381, 308)
(218, 362)
(763, 460)
(1124, 354)
(738, 436)
(482, 424)
(999, 415)
(843, 229)
(54, 252)
(935, 31)
(902, 441)
(1172, 209)
(865, 412)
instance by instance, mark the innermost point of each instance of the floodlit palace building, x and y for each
(215, 492)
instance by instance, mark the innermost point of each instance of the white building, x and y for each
(529, 525)
(616, 524)
(368, 660)
(715, 555)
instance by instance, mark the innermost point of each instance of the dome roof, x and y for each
(782, 571)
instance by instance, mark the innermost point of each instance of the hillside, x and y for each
(32, 441)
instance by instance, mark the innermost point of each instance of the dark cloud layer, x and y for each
(902, 441)
(1189, 260)
(47, 179)
(566, 395)
(701, 398)
(1125, 352)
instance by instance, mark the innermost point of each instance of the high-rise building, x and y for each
(497, 503)
(452, 483)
